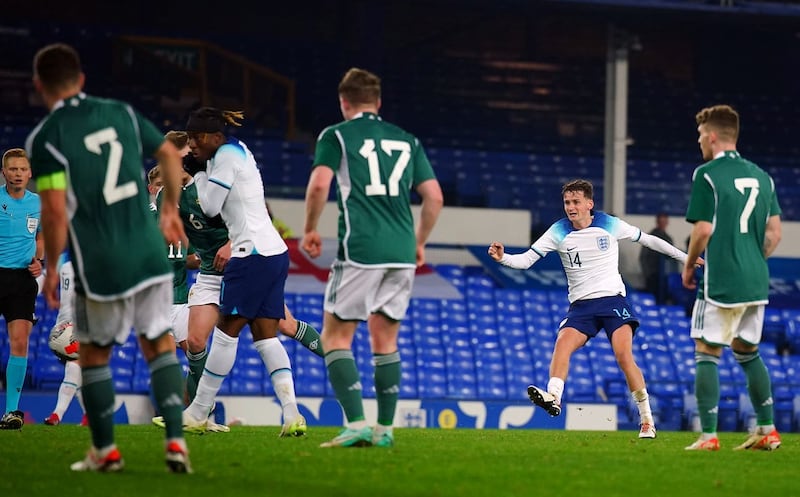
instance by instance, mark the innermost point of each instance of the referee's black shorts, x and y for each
(18, 291)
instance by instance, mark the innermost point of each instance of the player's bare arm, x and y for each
(223, 256)
(319, 185)
(193, 261)
(169, 157)
(432, 202)
(698, 241)
(773, 235)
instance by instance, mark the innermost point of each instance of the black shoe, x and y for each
(12, 421)
(545, 400)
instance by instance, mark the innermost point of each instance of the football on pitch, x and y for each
(63, 343)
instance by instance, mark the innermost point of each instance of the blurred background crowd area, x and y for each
(508, 97)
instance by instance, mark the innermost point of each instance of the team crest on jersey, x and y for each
(603, 243)
(33, 223)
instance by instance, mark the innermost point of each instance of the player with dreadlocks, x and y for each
(229, 184)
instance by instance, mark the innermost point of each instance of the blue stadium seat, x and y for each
(774, 330)
(47, 374)
(481, 320)
(672, 311)
(454, 274)
(534, 309)
(245, 386)
(519, 371)
(310, 375)
(408, 383)
(541, 363)
(535, 295)
(579, 388)
(542, 327)
(367, 372)
(793, 332)
(479, 294)
(432, 379)
(140, 383)
(512, 336)
(670, 395)
(728, 417)
(491, 373)
(791, 364)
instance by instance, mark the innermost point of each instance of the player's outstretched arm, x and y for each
(517, 261)
(432, 202)
(664, 247)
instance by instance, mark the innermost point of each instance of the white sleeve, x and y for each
(210, 194)
(661, 246)
(624, 230)
(520, 261)
(213, 186)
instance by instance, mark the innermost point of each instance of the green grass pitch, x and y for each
(425, 462)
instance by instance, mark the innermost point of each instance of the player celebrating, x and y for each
(586, 240)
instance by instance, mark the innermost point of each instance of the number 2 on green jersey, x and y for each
(375, 187)
(112, 192)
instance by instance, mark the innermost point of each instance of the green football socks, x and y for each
(759, 386)
(309, 337)
(346, 383)
(387, 385)
(197, 362)
(706, 389)
(166, 382)
(98, 399)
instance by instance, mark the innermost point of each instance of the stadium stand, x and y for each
(508, 110)
(489, 346)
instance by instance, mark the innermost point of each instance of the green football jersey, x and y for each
(736, 197)
(376, 165)
(101, 144)
(176, 256)
(205, 235)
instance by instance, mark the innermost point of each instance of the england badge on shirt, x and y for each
(602, 242)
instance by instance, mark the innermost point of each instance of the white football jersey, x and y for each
(232, 187)
(65, 312)
(590, 256)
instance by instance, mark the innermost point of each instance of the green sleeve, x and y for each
(701, 200)
(328, 151)
(774, 208)
(43, 162)
(152, 137)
